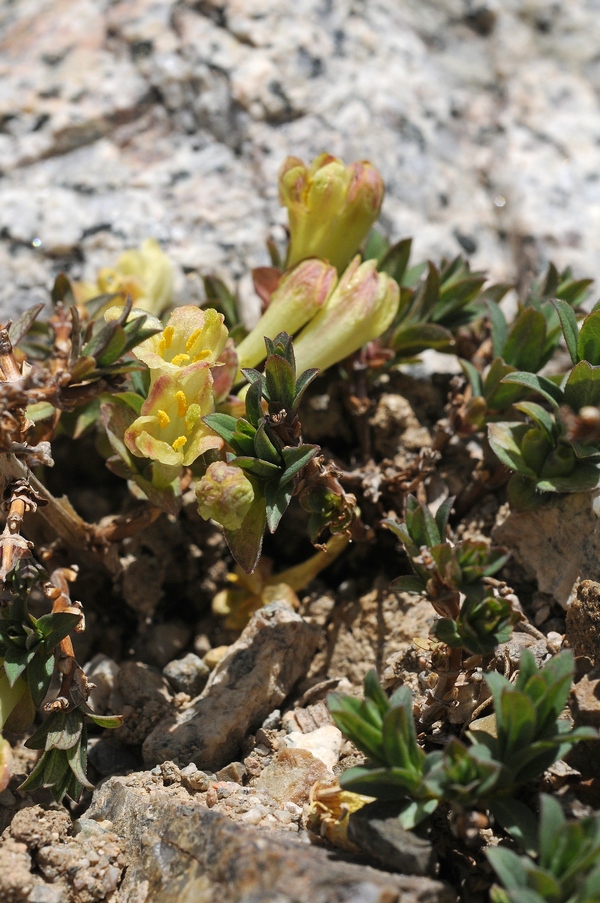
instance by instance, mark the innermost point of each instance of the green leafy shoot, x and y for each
(566, 867)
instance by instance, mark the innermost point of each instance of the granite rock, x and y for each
(163, 118)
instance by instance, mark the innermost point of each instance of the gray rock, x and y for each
(101, 671)
(253, 678)
(176, 124)
(557, 544)
(375, 829)
(187, 674)
(181, 851)
(143, 696)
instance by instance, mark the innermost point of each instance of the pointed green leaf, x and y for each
(568, 322)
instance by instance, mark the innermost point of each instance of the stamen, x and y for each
(168, 335)
(192, 339)
(179, 442)
(182, 404)
(180, 359)
(163, 419)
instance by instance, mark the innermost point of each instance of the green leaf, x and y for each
(254, 410)
(408, 584)
(508, 866)
(109, 722)
(23, 323)
(583, 478)
(295, 460)
(246, 543)
(442, 515)
(264, 448)
(540, 384)
(277, 499)
(39, 675)
(499, 327)
(415, 812)
(588, 342)
(224, 425)
(395, 260)
(474, 377)
(257, 467)
(552, 821)
(281, 381)
(583, 386)
(518, 820)
(302, 383)
(55, 627)
(525, 342)
(410, 340)
(505, 440)
(540, 415)
(65, 732)
(568, 322)
(374, 692)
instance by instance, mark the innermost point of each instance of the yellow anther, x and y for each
(179, 442)
(202, 355)
(192, 339)
(162, 346)
(163, 419)
(180, 359)
(182, 404)
(167, 335)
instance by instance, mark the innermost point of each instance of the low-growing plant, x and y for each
(488, 772)
(566, 868)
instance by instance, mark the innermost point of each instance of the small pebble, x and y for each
(252, 817)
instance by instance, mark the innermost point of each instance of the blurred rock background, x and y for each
(122, 119)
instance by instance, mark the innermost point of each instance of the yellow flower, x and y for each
(170, 429)
(331, 207)
(146, 274)
(191, 336)
(360, 309)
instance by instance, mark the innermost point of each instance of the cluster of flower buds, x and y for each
(331, 210)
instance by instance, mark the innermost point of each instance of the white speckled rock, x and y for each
(151, 117)
(325, 743)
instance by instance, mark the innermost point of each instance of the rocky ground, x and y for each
(123, 120)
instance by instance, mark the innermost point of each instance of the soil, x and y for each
(150, 629)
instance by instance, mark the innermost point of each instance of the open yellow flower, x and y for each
(145, 274)
(170, 429)
(191, 336)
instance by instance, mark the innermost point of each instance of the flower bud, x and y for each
(559, 463)
(535, 448)
(224, 494)
(301, 293)
(331, 207)
(360, 309)
(5, 763)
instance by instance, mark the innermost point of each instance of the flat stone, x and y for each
(182, 852)
(376, 830)
(324, 743)
(542, 541)
(291, 775)
(253, 678)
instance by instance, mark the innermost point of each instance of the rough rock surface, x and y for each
(180, 852)
(557, 544)
(156, 117)
(251, 680)
(583, 621)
